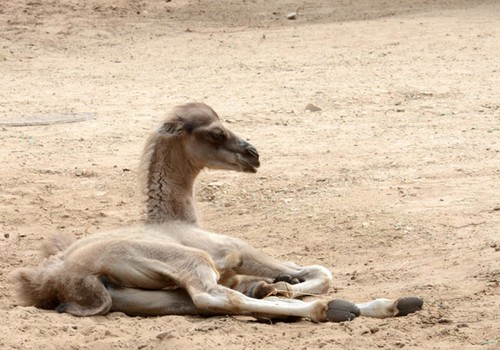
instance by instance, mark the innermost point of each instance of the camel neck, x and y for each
(170, 200)
(169, 186)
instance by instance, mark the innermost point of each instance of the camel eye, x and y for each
(217, 135)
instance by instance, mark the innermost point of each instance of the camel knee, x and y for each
(320, 274)
(212, 303)
(205, 301)
(219, 299)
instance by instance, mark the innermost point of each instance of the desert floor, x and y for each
(394, 185)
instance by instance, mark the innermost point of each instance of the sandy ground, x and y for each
(394, 185)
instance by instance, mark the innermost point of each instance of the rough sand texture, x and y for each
(394, 184)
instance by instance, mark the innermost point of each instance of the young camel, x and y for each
(171, 266)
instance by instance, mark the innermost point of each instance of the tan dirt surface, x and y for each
(394, 185)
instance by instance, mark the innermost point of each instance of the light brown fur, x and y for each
(169, 265)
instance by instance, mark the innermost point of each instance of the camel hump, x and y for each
(56, 244)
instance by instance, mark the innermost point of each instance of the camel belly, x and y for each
(127, 276)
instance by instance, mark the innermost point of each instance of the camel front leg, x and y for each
(218, 299)
(236, 255)
(300, 280)
(382, 308)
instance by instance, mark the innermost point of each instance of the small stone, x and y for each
(292, 16)
(444, 321)
(374, 329)
(312, 108)
(365, 331)
(6, 235)
(165, 335)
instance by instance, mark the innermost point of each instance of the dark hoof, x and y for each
(288, 279)
(341, 310)
(408, 305)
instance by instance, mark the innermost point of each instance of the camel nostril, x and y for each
(252, 151)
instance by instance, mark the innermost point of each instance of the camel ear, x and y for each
(171, 127)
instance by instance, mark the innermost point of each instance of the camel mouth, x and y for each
(249, 165)
(250, 169)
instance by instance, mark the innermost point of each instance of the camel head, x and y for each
(206, 142)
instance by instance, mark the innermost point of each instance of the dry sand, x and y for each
(394, 185)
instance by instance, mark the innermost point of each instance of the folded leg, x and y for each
(141, 302)
(301, 280)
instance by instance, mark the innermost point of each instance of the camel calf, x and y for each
(169, 265)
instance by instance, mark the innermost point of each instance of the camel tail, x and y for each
(37, 286)
(48, 286)
(56, 244)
